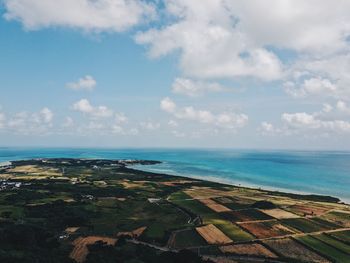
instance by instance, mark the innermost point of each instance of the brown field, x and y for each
(80, 250)
(267, 229)
(177, 182)
(213, 235)
(136, 184)
(279, 213)
(71, 230)
(287, 247)
(35, 170)
(308, 209)
(339, 217)
(207, 192)
(214, 205)
(134, 234)
(252, 249)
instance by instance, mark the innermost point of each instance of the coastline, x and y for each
(242, 185)
(141, 164)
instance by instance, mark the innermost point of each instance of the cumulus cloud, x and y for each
(68, 122)
(27, 123)
(268, 128)
(2, 120)
(149, 125)
(193, 88)
(167, 105)
(314, 86)
(85, 107)
(45, 115)
(325, 76)
(302, 120)
(211, 45)
(343, 107)
(173, 123)
(87, 15)
(218, 38)
(120, 118)
(85, 83)
(230, 120)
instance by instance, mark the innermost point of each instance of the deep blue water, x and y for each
(318, 172)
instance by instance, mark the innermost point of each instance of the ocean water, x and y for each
(318, 172)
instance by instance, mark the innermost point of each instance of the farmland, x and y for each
(327, 250)
(75, 210)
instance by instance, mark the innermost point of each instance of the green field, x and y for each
(304, 225)
(333, 242)
(342, 235)
(325, 223)
(324, 249)
(187, 239)
(107, 198)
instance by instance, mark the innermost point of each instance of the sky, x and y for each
(272, 74)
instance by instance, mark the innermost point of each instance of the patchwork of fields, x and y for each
(83, 207)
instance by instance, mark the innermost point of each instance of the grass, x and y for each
(193, 205)
(188, 238)
(334, 243)
(325, 249)
(13, 212)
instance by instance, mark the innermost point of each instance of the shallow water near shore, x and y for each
(318, 172)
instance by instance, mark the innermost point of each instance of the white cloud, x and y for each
(85, 107)
(46, 115)
(314, 86)
(178, 134)
(2, 120)
(167, 105)
(87, 15)
(85, 83)
(193, 88)
(327, 108)
(220, 39)
(173, 123)
(148, 125)
(27, 123)
(267, 128)
(210, 45)
(117, 129)
(120, 118)
(307, 121)
(68, 122)
(229, 120)
(328, 76)
(343, 107)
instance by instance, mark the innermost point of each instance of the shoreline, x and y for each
(137, 164)
(222, 181)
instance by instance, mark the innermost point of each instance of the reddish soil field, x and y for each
(252, 249)
(267, 229)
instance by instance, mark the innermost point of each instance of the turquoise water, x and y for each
(316, 172)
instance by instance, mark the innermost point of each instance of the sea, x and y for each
(306, 172)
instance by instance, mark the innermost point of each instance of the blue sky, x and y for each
(117, 73)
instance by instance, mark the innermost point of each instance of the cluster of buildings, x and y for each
(5, 185)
